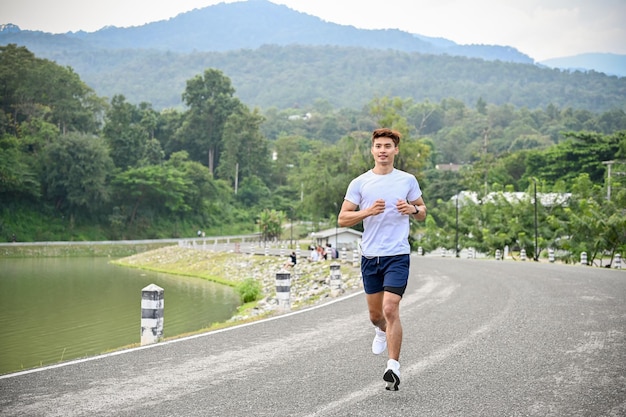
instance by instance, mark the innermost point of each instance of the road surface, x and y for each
(481, 338)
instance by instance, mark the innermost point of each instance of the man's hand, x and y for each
(405, 208)
(377, 208)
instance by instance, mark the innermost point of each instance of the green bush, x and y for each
(249, 290)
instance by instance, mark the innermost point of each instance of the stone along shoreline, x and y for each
(310, 281)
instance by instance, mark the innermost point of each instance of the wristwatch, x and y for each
(417, 210)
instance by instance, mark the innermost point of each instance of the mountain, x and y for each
(278, 57)
(610, 64)
(251, 24)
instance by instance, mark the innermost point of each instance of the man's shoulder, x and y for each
(362, 177)
(401, 173)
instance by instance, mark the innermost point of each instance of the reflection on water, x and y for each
(64, 308)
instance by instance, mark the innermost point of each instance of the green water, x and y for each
(54, 309)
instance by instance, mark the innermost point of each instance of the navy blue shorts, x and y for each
(385, 273)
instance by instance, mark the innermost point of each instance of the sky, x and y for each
(542, 29)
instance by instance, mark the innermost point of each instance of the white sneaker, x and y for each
(380, 342)
(392, 375)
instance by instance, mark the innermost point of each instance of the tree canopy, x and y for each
(217, 165)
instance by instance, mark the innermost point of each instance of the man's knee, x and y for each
(391, 306)
(377, 318)
(390, 311)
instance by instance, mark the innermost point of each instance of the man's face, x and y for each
(384, 151)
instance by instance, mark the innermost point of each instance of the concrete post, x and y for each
(356, 259)
(335, 279)
(470, 253)
(522, 254)
(618, 261)
(151, 314)
(498, 255)
(583, 258)
(283, 290)
(420, 250)
(344, 255)
(551, 255)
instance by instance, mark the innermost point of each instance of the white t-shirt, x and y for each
(385, 234)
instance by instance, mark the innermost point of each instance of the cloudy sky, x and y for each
(540, 28)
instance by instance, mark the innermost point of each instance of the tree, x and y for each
(75, 170)
(271, 224)
(246, 151)
(210, 101)
(129, 130)
(33, 87)
(17, 177)
(161, 188)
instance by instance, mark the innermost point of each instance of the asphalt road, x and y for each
(481, 338)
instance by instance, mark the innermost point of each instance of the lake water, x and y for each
(54, 309)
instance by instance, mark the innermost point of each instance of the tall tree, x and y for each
(246, 151)
(129, 130)
(210, 100)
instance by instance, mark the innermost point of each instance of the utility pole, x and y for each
(485, 140)
(609, 172)
(608, 181)
(456, 239)
(536, 258)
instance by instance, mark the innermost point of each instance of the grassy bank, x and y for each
(69, 249)
(222, 268)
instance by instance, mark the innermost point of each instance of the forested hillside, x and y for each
(278, 57)
(76, 166)
(297, 76)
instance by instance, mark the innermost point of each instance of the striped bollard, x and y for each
(335, 279)
(551, 255)
(522, 254)
(344, 255)
(356, 260)
(470, 253)
(498, 255)
(151, 314)
(618, 261)
(283, 290)
(267, 250)
(583, 258)
(420, 251)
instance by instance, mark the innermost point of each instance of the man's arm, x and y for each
(349, 216)
(421, 214)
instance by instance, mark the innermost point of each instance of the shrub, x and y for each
(249, 290)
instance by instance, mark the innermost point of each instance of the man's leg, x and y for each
(375, 307)
(391, 314)
(391, 311)
(377, 317)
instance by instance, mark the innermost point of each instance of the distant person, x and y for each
(292, 260)
(321, 253)
(334, 254)
(386, 198)
(314, 255)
